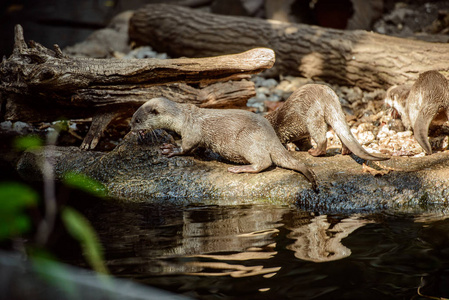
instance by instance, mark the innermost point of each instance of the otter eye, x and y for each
(137, 121)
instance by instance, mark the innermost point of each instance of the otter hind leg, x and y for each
(257, 164)
(345, 150)
(317, 129)
(244, 169)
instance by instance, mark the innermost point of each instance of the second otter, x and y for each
(237, 135)
(418, 104)
(308, 112)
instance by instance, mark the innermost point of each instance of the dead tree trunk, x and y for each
(360, 58)
(39, 84)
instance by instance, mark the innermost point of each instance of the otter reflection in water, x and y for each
(320, 241)
(316, 239)
(243, 241)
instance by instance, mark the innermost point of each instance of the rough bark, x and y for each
(43, 70)
(231, 94)
(360, 58)
(39, 84)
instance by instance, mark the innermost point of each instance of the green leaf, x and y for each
(80, 228)
(61, 125)
(23, 143)
(13, 225)
(14, 198)
(85, 183)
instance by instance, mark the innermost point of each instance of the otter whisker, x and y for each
(154, 137)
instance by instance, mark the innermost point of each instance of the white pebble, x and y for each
(404, 134)
(6, 125)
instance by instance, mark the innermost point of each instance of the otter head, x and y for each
(155, 113)
(396, 98)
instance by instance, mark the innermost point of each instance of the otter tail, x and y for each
(335, 117)
(421, 129)
(285, 160)
(344, 133)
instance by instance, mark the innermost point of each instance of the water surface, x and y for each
(269, 252)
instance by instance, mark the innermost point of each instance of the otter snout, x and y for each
(141, 134)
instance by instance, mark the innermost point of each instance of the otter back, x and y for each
(308, 112)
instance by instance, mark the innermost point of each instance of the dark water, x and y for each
(266, 252)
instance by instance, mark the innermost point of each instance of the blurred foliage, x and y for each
(79, 227)
(61, 125)
(85, 183)
(23, 143)
(15, 198)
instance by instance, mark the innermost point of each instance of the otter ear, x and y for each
(151, 110)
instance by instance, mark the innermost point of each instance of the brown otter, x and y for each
(419, 104)
(237, 135)
(308, 112)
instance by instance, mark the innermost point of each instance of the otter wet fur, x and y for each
(307, 113)
(237, 135)
(418, 104)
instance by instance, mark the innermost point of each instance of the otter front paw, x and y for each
(170, 150)
(317, 152)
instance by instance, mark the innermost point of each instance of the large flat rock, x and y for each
(139, 173)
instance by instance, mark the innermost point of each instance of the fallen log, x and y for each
(39, 84)
(39, 69)
(365, 59)
(230, 94)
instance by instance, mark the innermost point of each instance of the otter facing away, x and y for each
(418, 104)
(237, 135)
(308, 112)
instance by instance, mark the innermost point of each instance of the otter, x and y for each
(420, 103)
(237, 135)
(307, 113)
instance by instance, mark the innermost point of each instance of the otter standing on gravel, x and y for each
(308, 112)
(237, 135)
(419, 104)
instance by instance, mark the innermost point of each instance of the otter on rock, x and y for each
(237, 135)
(419, 104)
(307, 113)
